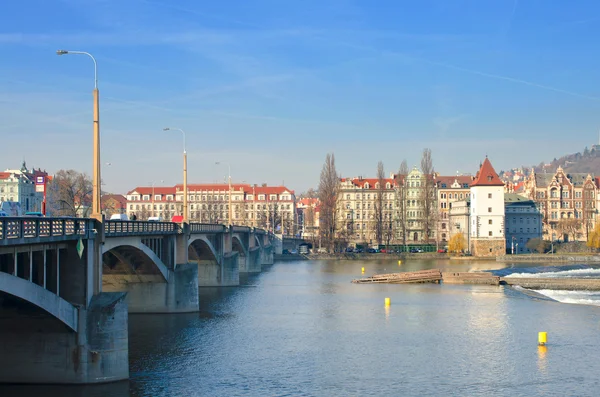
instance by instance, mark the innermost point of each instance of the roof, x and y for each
(361, 182)
(215, 187)
(451, 180)
(486, 176)
(577, 179)
(156, 190)
(517, 199)
(4, 175)
(117, 197)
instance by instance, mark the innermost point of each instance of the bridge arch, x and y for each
(40, 297)
(238, 245)
(202, 248)
(133, 247)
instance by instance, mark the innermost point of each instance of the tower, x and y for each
(487, 213)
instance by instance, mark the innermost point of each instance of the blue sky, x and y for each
(271, 86)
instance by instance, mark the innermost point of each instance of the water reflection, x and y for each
(304, 329)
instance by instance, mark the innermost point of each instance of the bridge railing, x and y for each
(139, 228)
(241, 229)
(206, 227)
(34, 227)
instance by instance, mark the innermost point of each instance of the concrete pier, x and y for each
(37, 348)
(576, 284)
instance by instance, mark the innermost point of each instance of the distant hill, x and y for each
(587, 161)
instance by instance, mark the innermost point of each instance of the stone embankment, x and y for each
(550, 258)
(369, 256)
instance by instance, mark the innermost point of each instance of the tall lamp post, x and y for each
(229, 177)
(185, 190)
(153, 183)
(96, 211)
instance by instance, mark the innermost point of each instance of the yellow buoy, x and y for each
(387, 301)
(362, 269)
(542, 338)
(399, 262)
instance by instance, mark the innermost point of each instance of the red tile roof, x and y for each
(119, 198)
(361, 182)
(486, 176)
(150, 189)
(4, 175)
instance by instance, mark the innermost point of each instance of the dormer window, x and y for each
(489, 178)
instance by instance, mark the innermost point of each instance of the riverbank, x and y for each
(352, 256)
(582, 258)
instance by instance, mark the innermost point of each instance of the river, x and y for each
(303, 329)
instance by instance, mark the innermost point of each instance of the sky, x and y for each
(271, 86)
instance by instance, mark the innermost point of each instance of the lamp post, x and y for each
(96, 212)
(229, 177)
(153, 183)
(185, 190)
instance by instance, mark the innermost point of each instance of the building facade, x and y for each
(358, 215)
(450, 190)
(487, 213)
(567, 203)
(19, 186)
(523, 221)
(269, 207)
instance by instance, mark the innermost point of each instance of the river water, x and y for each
(303, 329)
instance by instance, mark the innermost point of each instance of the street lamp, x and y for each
(153, 183)
(229, 177)
(185, 190)
(96, 212)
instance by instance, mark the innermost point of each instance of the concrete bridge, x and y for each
(67, 286)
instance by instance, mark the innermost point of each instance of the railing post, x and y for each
(21, 228)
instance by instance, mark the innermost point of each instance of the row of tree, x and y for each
(385, 227)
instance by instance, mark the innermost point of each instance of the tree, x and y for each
(379, 215)
(537, 244)
(69, 194)
(328, 196)
(457, 243)
(402, 197)
(594, 238)
(569, 227)
(428, 194)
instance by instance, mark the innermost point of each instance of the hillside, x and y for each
(587, 161)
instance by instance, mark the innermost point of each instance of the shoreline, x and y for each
(350, 256)
(536, 258)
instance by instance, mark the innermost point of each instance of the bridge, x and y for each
(68, 284)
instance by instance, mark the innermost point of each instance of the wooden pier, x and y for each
(423, 276)
(565, 283)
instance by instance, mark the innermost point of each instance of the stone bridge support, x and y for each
(55, 324)
(145, 268)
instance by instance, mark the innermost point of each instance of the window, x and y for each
(489, 222)
(489, 209)
(490, 233)
(489, 195)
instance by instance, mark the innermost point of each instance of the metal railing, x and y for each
(34, 227)
(139, 228)
(206, 227)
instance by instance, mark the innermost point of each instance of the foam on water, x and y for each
(575, 297)
(574, 273)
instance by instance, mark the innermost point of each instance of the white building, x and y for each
(487, 213)
(19, 186)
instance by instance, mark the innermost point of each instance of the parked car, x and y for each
(415, 250)
(119, 217)
(442, 250)
(2, 213)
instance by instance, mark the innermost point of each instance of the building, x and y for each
(270, 207)
(487, 213)
(113, 204)
(450, 190)
(523, 221)
(459, 220)
(307, 215)
(358, 219)
(566, 201)
(19, 186)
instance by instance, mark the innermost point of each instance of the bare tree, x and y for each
(328, 196)
(428, 196)
(402, 197)
(379, 215)
(69, 194)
